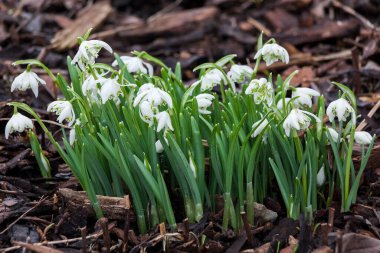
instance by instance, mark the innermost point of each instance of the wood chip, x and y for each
(90, 17)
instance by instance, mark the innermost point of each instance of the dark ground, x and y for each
(327, 40)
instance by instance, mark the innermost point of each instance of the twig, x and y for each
(331, 219)
(106, 235)
(352, 12)
(14, 161)
(24, 214)
(83, 232)
(126, 224)
(259, 26)
(186, 229)
(363, 124)
(36, 248)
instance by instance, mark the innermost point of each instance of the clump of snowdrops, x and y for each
(128, 131)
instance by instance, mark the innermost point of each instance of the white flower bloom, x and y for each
(304, 96)
(211, 79)
(280, 103)
(155, 96)
(298, 120)
(89, 86)
(261, 124)
(164, 121)
(72, 135)
(18, 123)
(147, 112)
(64, 110)
(238, 73)
(88, 52)
(135, 65)
(27, 80)
(272, 53)
(261, 90)
(159, 147)
(334, 134)
(110, 90)
(339, 108)
(362, 137)
(321, 177)
(204, 100)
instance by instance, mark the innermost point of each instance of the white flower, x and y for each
(72, 135)
(304, 96)
(362, 137)
(26, 80)
(110, 90)
(147, 112)
(159, 147)
(135, 65)
(321, 177)
(204, 100)
(272, 53)
(334, 134)
(88, 52)
(155, 96)
(298, 120)
(64, 110)
(164, 121)
(238, 73)
(261, 90)
(89, 86)
(18, 123)
(339, 108)
(280, 103)
(261, 124)
(211, 79)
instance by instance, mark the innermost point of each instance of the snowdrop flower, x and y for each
(280, 103)
(211, 79)
(159, 147)
(238, 73)
(64, 110)
(72, 133)
(334, 134)
(204, 101)
(321, 177)
(135, 65)
(304, 96)
(110, 90)
(362, 137)
(88, 52)
(147, 112)
(261, 90)
(155, 96)
(272, 53)
(164, 121)
(26, 80)
(298, 120)
(18, 123)
(89, 86)
(339, 108)
(261, 124)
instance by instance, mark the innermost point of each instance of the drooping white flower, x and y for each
(298, 120)
(280, 103)
(261, 124)
(135, 65)
(261, 90)
(238, 73)
(72, 133)
(339, 108)
(155, 96)
(211, 79)
(64, 110)
(164, 121)
(27, 80)
(272, 53)
(159, 147)
(334, 134)
(204, 100)
(88, 51)
(321, 177)
(147, 112)
(89, 86)
(110, 90)
(17, 123)
(362, 137)
(303, 96)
